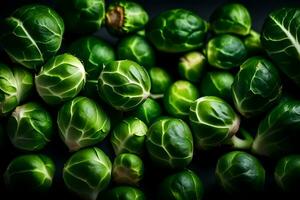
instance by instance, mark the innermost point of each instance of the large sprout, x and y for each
(170, 143)
(30, 174)
(123, 193)
(82, 122)
(82, 16)
(256, 87)
(226, 51)
(278, 132)
(177, 30)
(15, 85)
(178, 98)
(123, 17)
(129, 136)
(30, 127)
(137, 49)
(240, 172)
(87, 172)
(231, 18)
(124, 84)
(217, 83)
(60, 79)
(94, 53)
(184, 185)
(160, 81)
(287, 173)
(128, 169)
(32, 35)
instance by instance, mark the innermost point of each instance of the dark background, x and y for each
(203, 162)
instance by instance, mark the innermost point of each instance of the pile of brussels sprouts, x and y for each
(122, 117)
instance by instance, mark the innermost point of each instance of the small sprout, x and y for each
(82, 123)
(170, 143)
(87, 172)
(160, 81)
(124, 84)
(129, 136)
(123, 193)
(60, 79)
(240, 172)
(128, 169)
(252, 43)
(30, 127)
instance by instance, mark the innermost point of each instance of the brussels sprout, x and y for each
(123, 17)
(15, 85)
(252, 43)
(214, 123)
(287, 173)
(179, 97)
(160, 81)
(256, 87)
(32, 35)
(231, 18)
(217, 83)
(184, 185)
(87, 172)
(82, 123)
(82, 16)
(127, 169)
(137, 49)
(123, 193)
(279, 37)
(124, 84)
(226, 51)
(170, 143)
(129, 136)
(278, 132)
(30, 174)
(30, 127)
(148, 111)
(60, 79)
(191, 66)
(94, 53)
(177, 30)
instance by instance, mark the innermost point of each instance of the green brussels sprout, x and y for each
(231, 18)
(215, 123)
(32, 35)
(87, 172)
(60, 79)
(30, 174)
(177, 30)
(129, 136)
(15, 85)
(123, 193)
(287, 173)
(148, 111)
(256, 87)
(123, 17)
(240, 172)
(160, 81)
(137, 49)
(94, 53)
(217, 83)
(184, 185)
(278, 132)
(191, 66)
(179, 97)
(170, 143)
(30, 127)
(124, 84)
(226, 51)
(82, 123)
(279, 38)
(127, 169)
(82, 16)
(252, 43)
